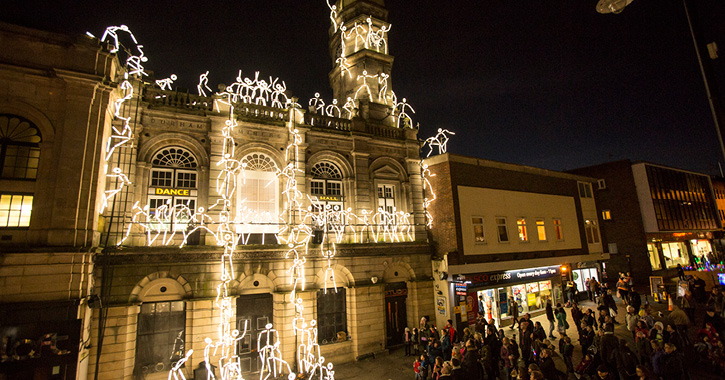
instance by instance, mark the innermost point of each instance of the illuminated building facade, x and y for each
(509, 231)
(85, 149)
(657, 217)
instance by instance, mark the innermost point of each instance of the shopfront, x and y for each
(581, 275)
(490, 294)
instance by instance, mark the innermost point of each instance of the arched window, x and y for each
(258, 198)
(326, 182)
(173, 183)
(19, 148)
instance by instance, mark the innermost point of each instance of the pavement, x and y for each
(395, 365)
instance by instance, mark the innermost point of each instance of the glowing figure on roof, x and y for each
(332, 109)
(383, 86)
(403, 115)
(203, 85)
(349, 107)
(317, 104)
(278, 92)
(112, 33)
(440, 140)
(165, 83)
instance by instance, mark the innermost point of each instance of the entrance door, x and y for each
(396, 319)
(256, 311)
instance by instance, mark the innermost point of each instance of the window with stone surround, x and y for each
(502, 229)
(331, 315)
(173, 187)
(258, 198)
(15, 210)
(160, 336)
(19, 148)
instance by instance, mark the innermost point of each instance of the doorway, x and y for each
(256, 311)
(396, 318)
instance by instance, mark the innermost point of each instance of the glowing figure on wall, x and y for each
(165, 84)
(176, 373)
(349, 107)
(203, 85)
(121, 182)
(333, 14)
(377, 38)
(272, 362)
(332, 109)
(112, 33)
(134, 63)
(383, 86)
(317, 104)
(344, 66)
(365, 87)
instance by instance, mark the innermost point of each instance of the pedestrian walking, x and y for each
(550, 317)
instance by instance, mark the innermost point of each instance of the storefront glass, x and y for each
(529, 297)
(675, 253)
(581, 275)
(654, 256)
(702, 249)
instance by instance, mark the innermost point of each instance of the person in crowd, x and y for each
(446, 372)
(456, 370)
(603, 373)
(675, 337)
(674, 367)
(547, 366)
(446, 346)
(680, 321)
(587, 339)
(466, 334)
(646, 316)
(407, 339)
(586, 289)
(681, 272)
(608, 302)
(589, 318)
(641, 342)
(576, 316)
(715, 300)
(514, 307)
(717, 322)
(420, 368)
(550, 318)
(567, 352)
(644, 373)
(688, 304)
(698, 289)
(608, 344)
(635, 300)
(451, 331)
(593, 289)
(507, 357)
(471, 365)
(586, 366)
(658, 358)
(561, 323)
(416, 342)
(626, 361)
(539, 332)
(622, 288)
(437, 367)
(656, 333)
(631, 319)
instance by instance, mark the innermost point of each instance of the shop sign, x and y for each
(512, 276)
(163, 191)
(396, 292)
(460, 289)
(330, 198)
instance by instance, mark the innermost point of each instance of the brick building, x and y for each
(508, 231)
(654, 217)
(80, 260)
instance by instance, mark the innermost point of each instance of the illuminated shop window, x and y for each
(521, 224)
(15, 210)
(19, 148)
(160, 336)
(331, 314)
(541, 229)
(478, 235)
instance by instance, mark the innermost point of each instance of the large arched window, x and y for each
(258, 197)
(326, 183)
(19, 148)
(173, 182)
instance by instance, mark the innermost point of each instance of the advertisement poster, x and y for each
(441, 305)
(532, 287)
(531, 300)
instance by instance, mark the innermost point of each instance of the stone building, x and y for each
(80, 237)
(508, 231)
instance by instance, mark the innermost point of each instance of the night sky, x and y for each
(552, 84)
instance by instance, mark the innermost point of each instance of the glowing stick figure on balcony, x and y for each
(377, 38)
(344, 66)
(365, 85)
(112, 33)
(317, 104)
(165, 83)
(270, 355)
(134, 62)
(122, 180)
(278, 90)
(403, 115)
(203, 84)
(440, 140)
(332, 109)
(383, 85)
(349, 106)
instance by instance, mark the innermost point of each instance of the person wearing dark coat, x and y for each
(550, 317)
(675, 337)
(471, 367)
(715, 320)
(434, 351)
(674, 368)
(608, 345)
(635, 300)
(457, 372)
(626, 361)
(547, 366)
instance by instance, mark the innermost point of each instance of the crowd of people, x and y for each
(661, 346)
